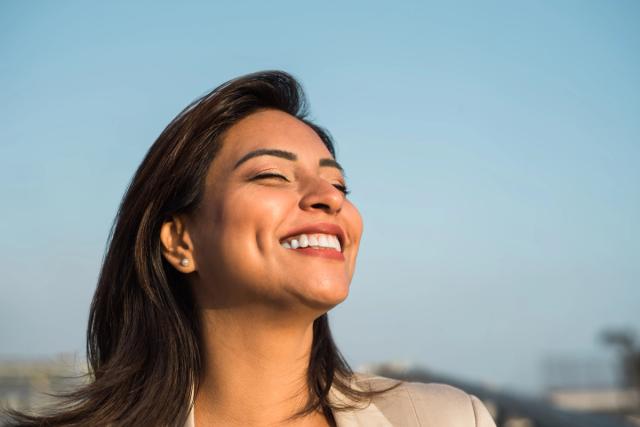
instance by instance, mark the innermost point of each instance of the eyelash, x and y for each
(342, 188)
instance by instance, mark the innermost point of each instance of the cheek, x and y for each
(255, 214)
(354, 219)
(242, 227)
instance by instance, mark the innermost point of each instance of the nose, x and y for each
(319, 194)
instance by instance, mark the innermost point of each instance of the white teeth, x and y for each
(314, 240)
(333, 242)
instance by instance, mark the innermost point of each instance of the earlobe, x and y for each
(177, 247)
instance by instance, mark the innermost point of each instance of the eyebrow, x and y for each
(331, 163)
(328, 162)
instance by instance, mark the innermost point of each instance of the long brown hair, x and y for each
(142, 340)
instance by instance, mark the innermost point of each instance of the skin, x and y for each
(258, 300)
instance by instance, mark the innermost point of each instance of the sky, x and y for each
(492, 149)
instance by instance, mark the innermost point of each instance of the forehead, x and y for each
(272, 129)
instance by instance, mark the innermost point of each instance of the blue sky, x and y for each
(493, 150)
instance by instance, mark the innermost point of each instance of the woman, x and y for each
(232, 242)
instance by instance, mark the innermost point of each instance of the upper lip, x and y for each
(320, 227)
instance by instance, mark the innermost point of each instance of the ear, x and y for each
(177, 247)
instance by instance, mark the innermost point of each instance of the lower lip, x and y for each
(324, 253)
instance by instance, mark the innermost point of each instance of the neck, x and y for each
(254, 369)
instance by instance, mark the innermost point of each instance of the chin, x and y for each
(325, 295)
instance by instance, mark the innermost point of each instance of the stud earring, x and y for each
(184, 262)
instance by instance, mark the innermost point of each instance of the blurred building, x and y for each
(514, 410)
(24, 385)
(590, 386)
(29, 384)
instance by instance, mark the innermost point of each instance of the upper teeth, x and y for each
(312, 240)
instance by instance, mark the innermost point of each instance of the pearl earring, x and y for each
(184, 262)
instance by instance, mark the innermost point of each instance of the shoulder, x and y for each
(421, 404)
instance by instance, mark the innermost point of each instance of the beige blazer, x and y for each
(409, 405)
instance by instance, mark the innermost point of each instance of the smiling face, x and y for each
(272, 189)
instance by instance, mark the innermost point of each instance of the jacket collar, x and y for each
(369, 415)
(366, 416)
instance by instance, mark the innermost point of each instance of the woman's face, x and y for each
(272, 189)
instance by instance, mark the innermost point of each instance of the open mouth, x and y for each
(313, 241)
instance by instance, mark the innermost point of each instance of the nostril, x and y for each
(322, 206)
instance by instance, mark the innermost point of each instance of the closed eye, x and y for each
(342, 188)
(270, 175)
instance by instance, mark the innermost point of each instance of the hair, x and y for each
(143, 346)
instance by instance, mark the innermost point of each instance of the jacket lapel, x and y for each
(369, 416)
